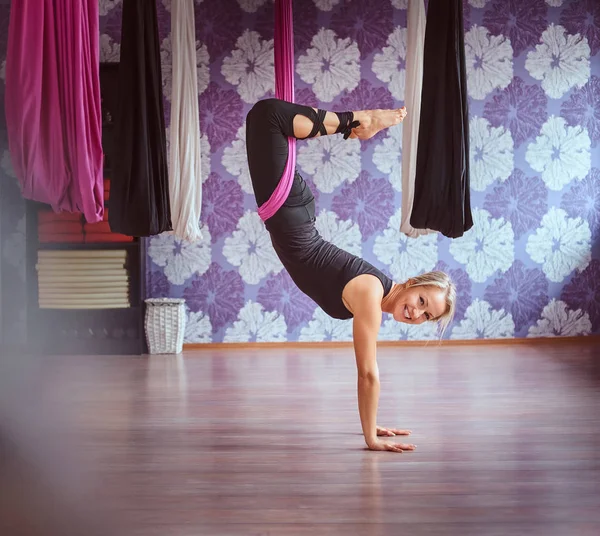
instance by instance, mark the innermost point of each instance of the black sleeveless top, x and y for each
(320, 269)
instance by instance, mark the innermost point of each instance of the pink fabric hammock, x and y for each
(52, 102)
(284, 89)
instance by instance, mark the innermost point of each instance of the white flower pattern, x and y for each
(256, 324)
(387, 156)
(345, 234)
(202, 67)
(251, 6)
(483, 322)
(478, 3)
(204, 157)
(326, 5)
(561, 244)
(388, 65)
(559, 321)
(486, 248)
(106, 6)
(250, 67)
(324, 328)
(400, 4)
(489, 61)
(181, 259)
(330, 160)
(198, 328)
(391, 330)
(110, 51)
(235, 160)
(561, 153)
(250, 249)
(404, 255)
(491, 153)
(561, 61)
(331, 65)
(166, 61)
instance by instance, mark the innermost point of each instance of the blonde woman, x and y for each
(343, 285)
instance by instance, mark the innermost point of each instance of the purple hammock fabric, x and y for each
(284, 89)
(52, 103)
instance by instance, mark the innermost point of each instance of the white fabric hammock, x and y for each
(412, 99)
(185, 180)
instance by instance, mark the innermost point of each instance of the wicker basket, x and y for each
(165, 325)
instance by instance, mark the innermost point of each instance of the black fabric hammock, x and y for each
(442, 197)
(139, 194)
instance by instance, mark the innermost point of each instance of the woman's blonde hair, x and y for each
(442, 281)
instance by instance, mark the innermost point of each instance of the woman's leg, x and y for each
(271, 121)
(362, 124)
(268, 125)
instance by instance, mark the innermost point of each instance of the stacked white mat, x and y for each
(80, 279)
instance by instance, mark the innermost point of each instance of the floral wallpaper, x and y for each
(530, 267)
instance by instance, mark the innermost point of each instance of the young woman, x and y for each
(343, 285)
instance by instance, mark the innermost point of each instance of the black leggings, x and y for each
(268, 125)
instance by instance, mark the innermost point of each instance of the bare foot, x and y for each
(372, 121)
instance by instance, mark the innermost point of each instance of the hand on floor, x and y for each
(389, 432)
(393, 447)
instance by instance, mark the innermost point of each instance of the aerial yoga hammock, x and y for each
(139, 187)
(413, 87)
(185, 181)
(284, 89)
(435, 160)
(52, 104)
(441, 193)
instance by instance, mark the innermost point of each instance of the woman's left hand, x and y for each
(389, 432)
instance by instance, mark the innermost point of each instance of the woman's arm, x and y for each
(365, 330)
(366, 307)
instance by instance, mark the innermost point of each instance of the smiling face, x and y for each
(415, 305)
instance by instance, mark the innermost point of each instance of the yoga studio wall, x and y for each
(529, 267)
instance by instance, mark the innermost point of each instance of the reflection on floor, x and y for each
(255, 442)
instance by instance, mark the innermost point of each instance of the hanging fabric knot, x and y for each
(347, 123)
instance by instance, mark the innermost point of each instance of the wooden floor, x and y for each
(267, 442)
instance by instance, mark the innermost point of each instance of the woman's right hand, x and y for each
(388, 445)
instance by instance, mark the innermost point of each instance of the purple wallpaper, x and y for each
(531, 264)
